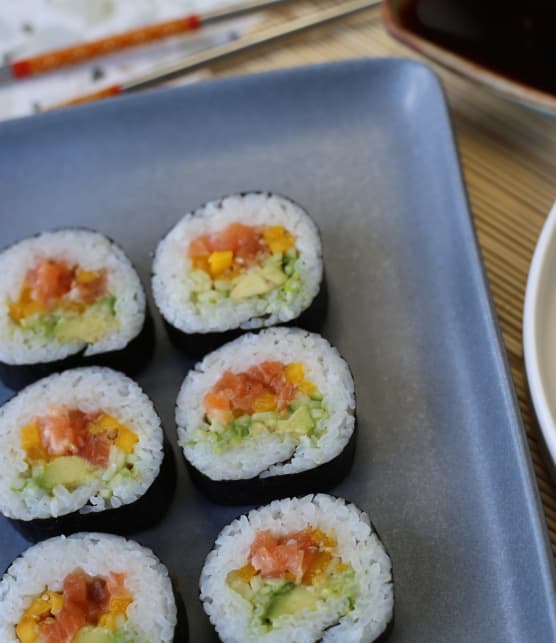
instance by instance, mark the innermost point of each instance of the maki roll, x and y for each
(88, 588)
(300, 569)
(268, 415)
(69, 298)
(83, 450)
(243, 262)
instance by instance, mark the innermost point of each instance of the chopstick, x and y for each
(227, 50)
(73, 54)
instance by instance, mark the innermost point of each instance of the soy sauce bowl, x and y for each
(516, 90)
(539, 333)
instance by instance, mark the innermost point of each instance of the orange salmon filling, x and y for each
(227, 253)
(56, 617)
(53, 284)
(64, 431)
(300, 557)
(268, 386)
(290, 572)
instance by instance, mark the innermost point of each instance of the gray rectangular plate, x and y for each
(442, 465)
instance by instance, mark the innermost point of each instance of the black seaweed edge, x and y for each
(196, 345)
(130, 359)
(255, 490)
(389, 626)
(136, 516)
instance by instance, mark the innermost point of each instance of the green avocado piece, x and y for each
(89, 634)
(201, 280)
(274, 273)
(290, 603)
(87, 328)
(300, 422)
(240, 586)
(69, 471)
(250, 285)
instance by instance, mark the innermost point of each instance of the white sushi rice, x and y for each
(152, 614)
(91, 251)
(265, 454)
(357, 545)
(88, 389)
(172, 286)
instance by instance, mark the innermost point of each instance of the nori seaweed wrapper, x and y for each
(257, 490)
(197, 345)
(145, 512)
(130, 360)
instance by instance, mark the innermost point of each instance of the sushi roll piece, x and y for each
(268, 415)
(244, 262)
(70, 298)
(89, 588)
(83, 450)
(299, 570)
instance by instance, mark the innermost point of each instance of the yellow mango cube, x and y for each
(108, 620)
(25, 306)
(31, 442)
(244, 574)
(56, 602)
(126, 439)
(220, 261)
(120, 605)
(307, 387)
(39, 607)
(86, 276)
(27, 630)
(295, 373)
(104, 423)
(30, 436)
(265, 402)
(278, 239)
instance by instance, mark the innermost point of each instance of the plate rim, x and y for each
(516, 432)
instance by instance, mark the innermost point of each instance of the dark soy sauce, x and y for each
(516, 38)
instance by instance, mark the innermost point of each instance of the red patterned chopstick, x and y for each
(143, 35)
(221, 52)
(86, 51)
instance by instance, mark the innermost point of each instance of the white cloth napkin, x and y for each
(28, 27)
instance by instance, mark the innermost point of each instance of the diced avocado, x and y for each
(239, 586)
(286, 604)
(201, 280)
(299, 422)
(265, 416)
(89, 634)
(69, 471)
(223, 285)
(87, 328)
(257, 428)
(274, 273)
(250, 285)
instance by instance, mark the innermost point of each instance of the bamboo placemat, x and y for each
(509, 161)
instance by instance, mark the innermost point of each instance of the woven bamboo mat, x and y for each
(509, 161)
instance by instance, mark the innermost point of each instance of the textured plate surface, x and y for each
(366, 146)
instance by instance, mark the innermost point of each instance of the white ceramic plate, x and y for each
(539, 332)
